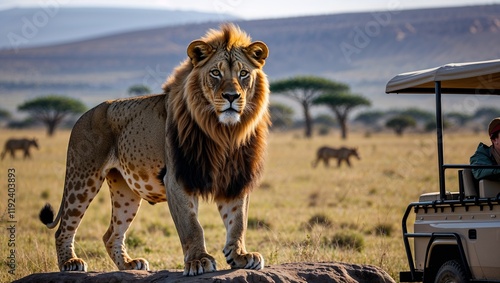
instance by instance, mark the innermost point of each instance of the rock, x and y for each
(288, 272)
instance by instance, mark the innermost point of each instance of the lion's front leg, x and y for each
(184, 210)
(234, 213)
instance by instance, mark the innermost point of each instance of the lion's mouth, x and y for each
(230, 109)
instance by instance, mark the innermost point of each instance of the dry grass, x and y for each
(364, 202)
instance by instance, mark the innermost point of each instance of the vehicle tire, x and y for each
(451, 272)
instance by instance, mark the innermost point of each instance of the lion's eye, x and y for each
(215, 73)
(244, 74)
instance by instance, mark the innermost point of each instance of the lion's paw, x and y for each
(137, 264)
(74, 264)
(247, 261)
(198, 267)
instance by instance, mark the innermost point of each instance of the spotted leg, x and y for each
(234, 213)
(88, 153)
(125, 204)
(79, 195)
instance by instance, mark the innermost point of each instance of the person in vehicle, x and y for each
(488, 155)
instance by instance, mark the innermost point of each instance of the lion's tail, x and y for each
(47, 216)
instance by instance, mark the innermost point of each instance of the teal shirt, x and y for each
(483, 156)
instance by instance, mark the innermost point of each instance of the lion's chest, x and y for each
(205, 168)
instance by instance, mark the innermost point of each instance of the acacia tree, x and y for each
(52, 109)
(138, 90)
(304, 89)
(458, 118)
(400, 123)
(370, 118)
(341, 105)
(486, 112)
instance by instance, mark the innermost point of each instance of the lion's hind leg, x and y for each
(125, 204)
(234, 213)
(78, 196)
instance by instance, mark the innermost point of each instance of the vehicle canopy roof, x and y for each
(456, 78)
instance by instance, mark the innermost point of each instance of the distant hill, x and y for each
(364, 50)
(29, 27)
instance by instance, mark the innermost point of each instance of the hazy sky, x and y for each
(255, 9)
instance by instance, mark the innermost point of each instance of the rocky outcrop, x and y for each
(288, 272)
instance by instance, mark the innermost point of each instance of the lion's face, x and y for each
(227, 89)
(227, 78)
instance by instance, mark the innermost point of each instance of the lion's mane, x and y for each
(212, 159)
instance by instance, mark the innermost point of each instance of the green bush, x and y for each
(134, 241)
(45, 195)
(320, 219)
(348, 240)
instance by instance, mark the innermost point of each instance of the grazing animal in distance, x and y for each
(11, 145)
(341, 154)
(204, 137)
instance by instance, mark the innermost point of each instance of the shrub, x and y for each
(383, 229)
(45, 195)
(323, 131)
(318, 219)
(133, 241)
(348, 240)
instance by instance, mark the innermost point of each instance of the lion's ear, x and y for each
(198, 51)
(257, 51)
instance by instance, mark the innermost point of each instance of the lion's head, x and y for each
(227, 66)
(226, 91)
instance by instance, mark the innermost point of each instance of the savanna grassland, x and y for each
(298, 214)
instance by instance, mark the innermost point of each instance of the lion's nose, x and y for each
(231, 96)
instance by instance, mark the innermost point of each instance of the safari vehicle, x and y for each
(456, 232)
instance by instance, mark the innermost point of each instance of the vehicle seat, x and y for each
(488, 188)
(470, 184)
(435, 196)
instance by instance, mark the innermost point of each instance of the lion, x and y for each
(11, 145)
(342, 154)
(203, 137)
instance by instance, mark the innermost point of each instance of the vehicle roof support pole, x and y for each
(439, 132)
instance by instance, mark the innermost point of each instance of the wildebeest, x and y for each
(344, 153)
(11, 145)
